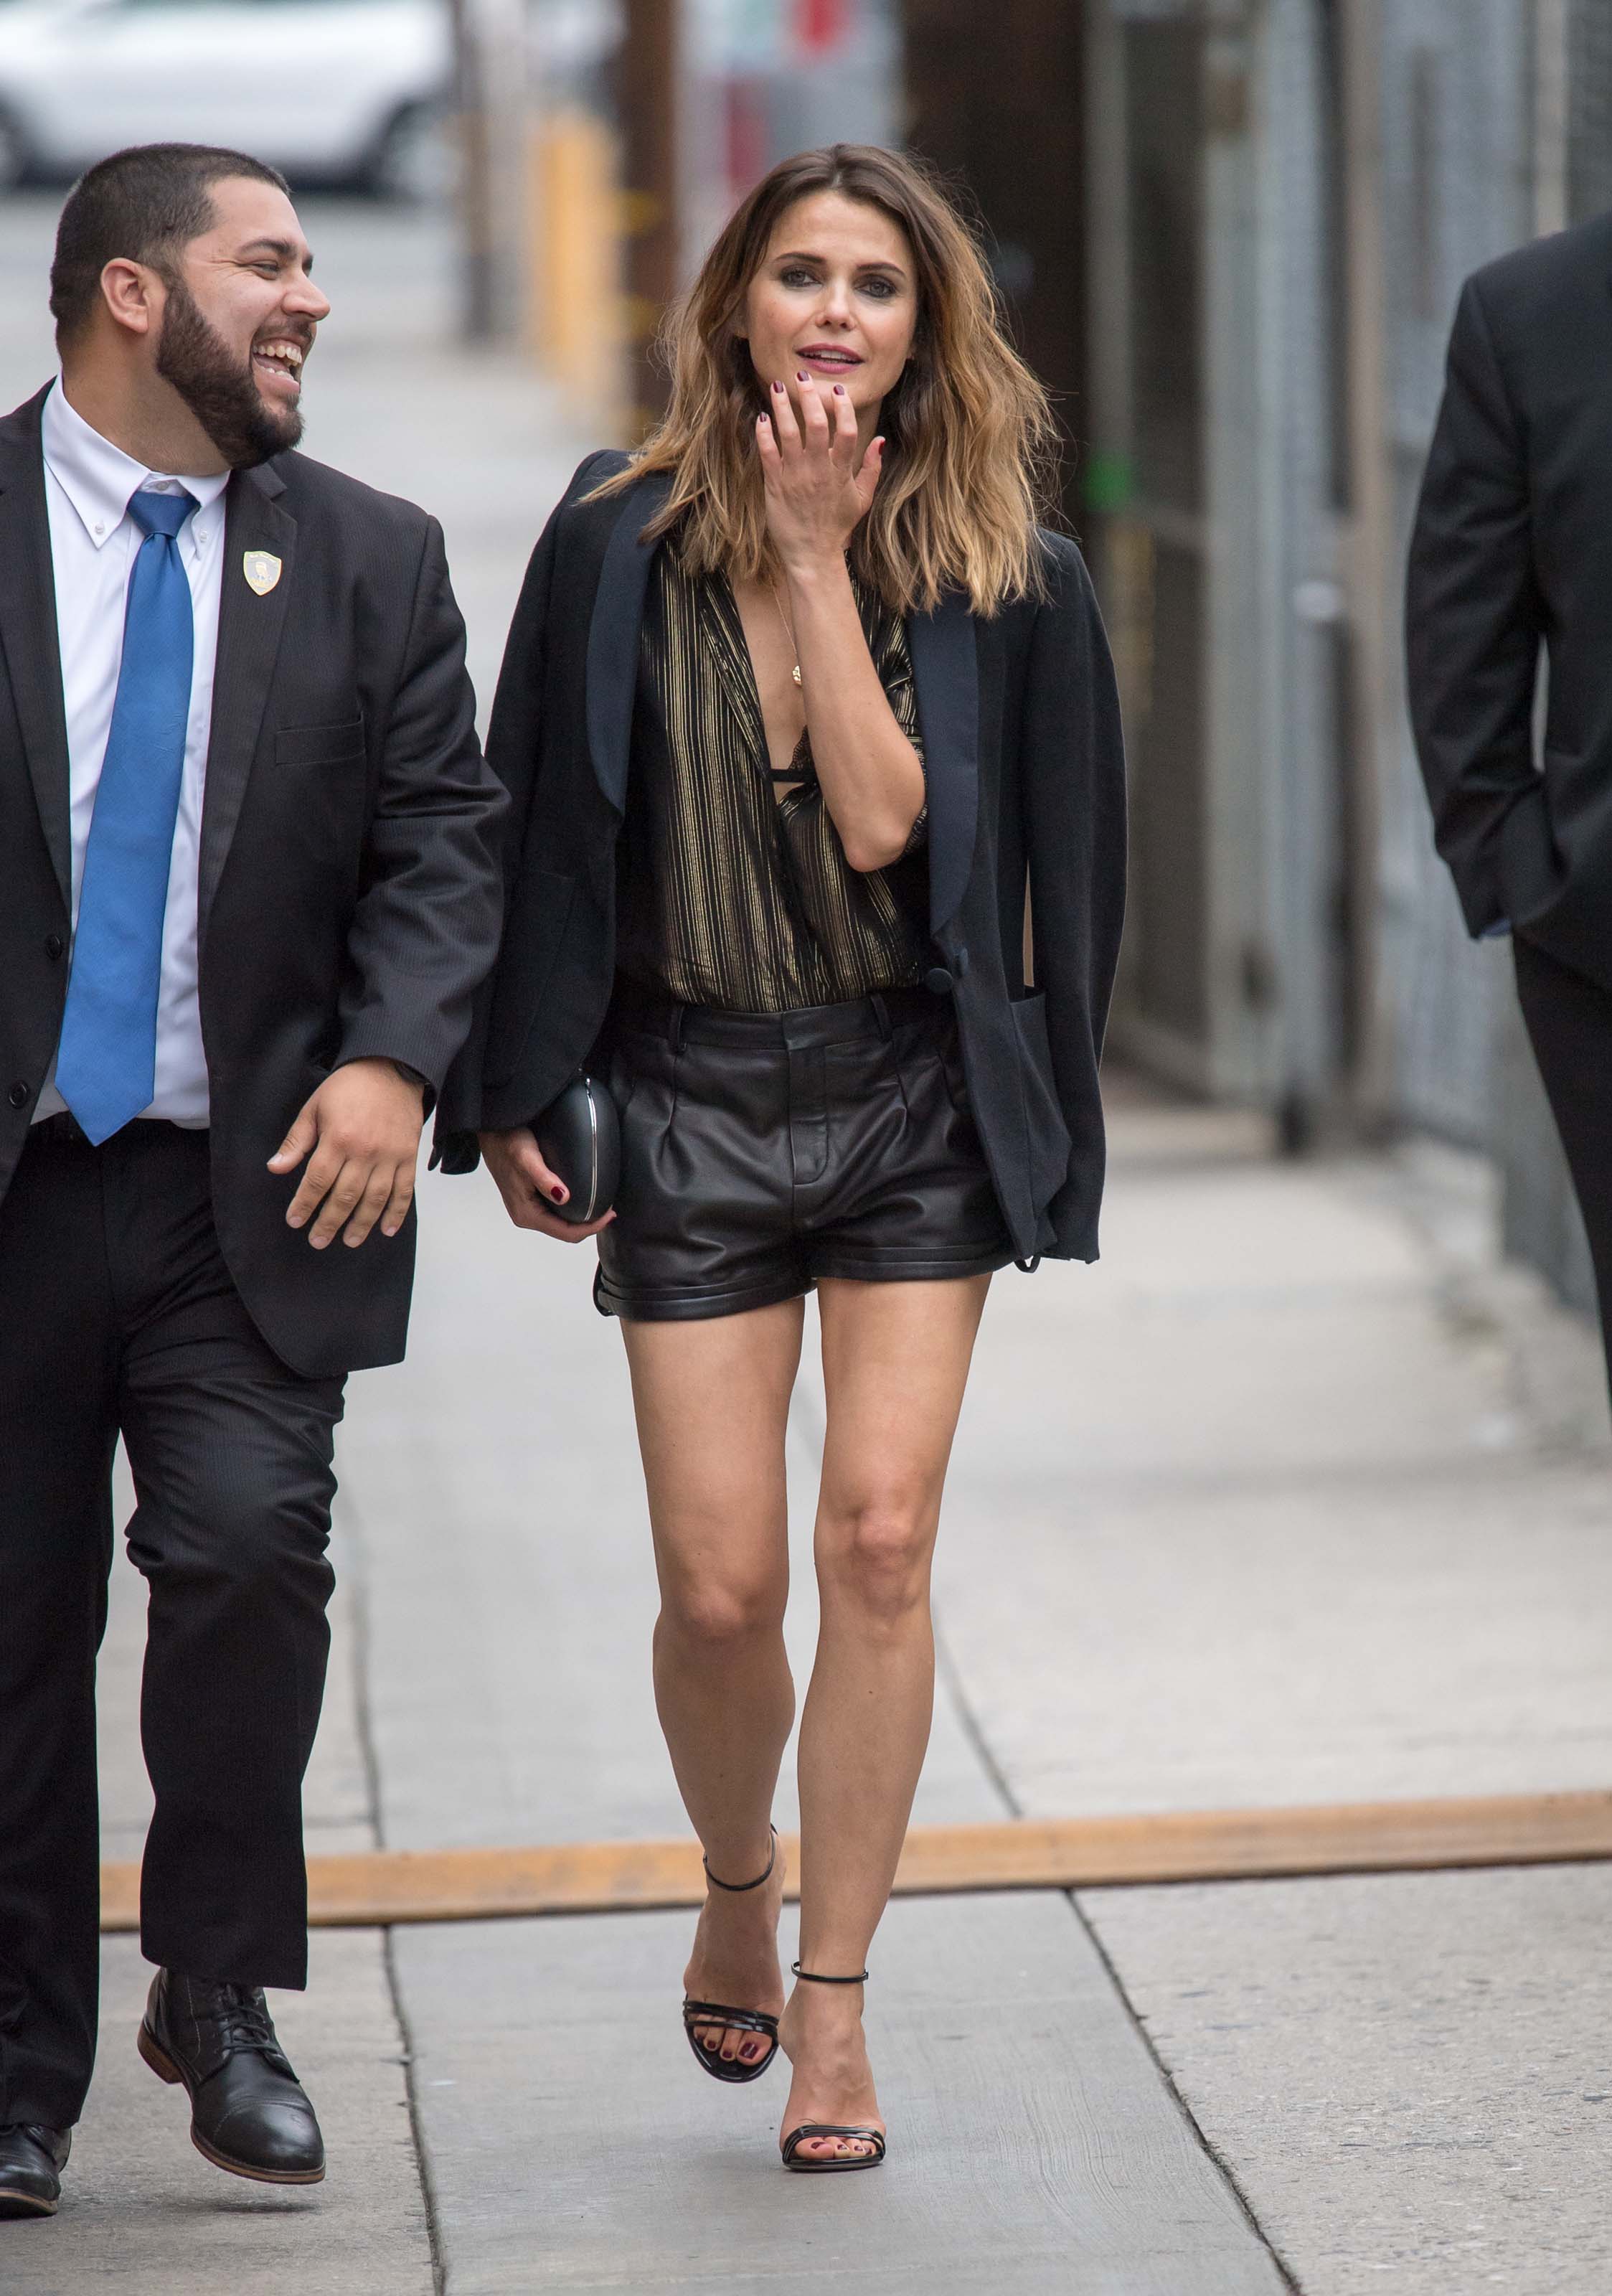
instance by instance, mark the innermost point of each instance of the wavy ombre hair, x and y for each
(970, 440)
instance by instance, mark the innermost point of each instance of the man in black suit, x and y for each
(246, 849)
(1512, 552)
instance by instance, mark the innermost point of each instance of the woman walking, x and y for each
(796, 701)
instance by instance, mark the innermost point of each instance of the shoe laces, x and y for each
(243, 2017)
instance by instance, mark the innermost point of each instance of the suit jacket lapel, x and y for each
(945, 674)
(28, 639)
(250, 627)
(612, 661)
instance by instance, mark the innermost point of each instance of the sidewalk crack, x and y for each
(358, 1576)
(950, 1675)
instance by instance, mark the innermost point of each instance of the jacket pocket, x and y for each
(532, 941)
(1047, 1134)
(320, 745)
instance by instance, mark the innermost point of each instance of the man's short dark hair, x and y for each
(144, 205)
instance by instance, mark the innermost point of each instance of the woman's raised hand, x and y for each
(818, 487)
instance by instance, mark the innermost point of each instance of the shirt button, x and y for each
(19, 1095)
(54, 945)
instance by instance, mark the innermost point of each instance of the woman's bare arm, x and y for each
(819, 487)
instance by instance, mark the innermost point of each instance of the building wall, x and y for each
(1571, 180)
(1214, 414)
(1456, 189)
(1231, 235)
(996, 107)
(765, 78)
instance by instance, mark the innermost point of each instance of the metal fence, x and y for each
(1573, 139)
(1589, 109)
(1497, 123)
(1456, 190)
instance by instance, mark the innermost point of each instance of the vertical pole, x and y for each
(650, 79)
(1123, 564)
(490, 71)
(1550, 116)
(1371, 561)
(474, 187)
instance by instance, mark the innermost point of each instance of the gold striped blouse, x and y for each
(729, 896)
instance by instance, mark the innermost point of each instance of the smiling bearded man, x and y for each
(249, 887)
(222, 389)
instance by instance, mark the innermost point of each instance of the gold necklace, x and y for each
(788, 628)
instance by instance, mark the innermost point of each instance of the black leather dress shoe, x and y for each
(247, 2113)
(31, 2161)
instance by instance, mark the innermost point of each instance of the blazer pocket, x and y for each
(532, 940)
(1047, 1134)
(320, 745)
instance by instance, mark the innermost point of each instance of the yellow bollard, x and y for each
(575, 306)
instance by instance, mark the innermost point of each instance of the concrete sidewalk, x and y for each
(1306, 1499)
(1256, 1510)
(1295, 1496)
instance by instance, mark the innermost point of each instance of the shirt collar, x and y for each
(98, 478)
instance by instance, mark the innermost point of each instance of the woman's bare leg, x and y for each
(895, 1361)
(712, 1400)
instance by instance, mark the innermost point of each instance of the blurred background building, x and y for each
(1229, 233)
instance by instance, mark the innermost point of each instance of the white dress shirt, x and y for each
(93, 541)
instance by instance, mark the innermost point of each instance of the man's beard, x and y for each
(220, 392)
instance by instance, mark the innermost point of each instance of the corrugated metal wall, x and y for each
(1456, 190)
(1573, 60)
(1481, 100)
(1589, 109)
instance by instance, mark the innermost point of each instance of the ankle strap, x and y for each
(738, 1889)
(815, 1977)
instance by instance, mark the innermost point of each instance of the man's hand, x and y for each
(362, 1130)
(527, 1186)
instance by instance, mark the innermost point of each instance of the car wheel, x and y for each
(14, 154)
(414, 159)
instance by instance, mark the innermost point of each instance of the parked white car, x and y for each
(330, 91)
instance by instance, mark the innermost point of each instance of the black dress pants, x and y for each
(117, 1315)
(1569, 1024)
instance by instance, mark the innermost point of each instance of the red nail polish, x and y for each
(801, 375)
(778, 386)
(839, 391)
(558, 1194)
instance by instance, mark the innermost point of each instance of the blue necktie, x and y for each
(106, 1064)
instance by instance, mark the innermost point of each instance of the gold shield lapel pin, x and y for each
(261, 568)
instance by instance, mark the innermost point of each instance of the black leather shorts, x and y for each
(760, 1151)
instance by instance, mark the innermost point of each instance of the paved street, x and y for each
(1297, 1497)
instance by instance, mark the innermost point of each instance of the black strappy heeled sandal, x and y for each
(797, 2137)
(719, 2013)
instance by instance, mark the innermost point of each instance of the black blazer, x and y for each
(1021, 738)
(348, 895)
(1513, 546)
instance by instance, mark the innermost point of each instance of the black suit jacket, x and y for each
(1021, 739)
(1512, 548)
(348, 895)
